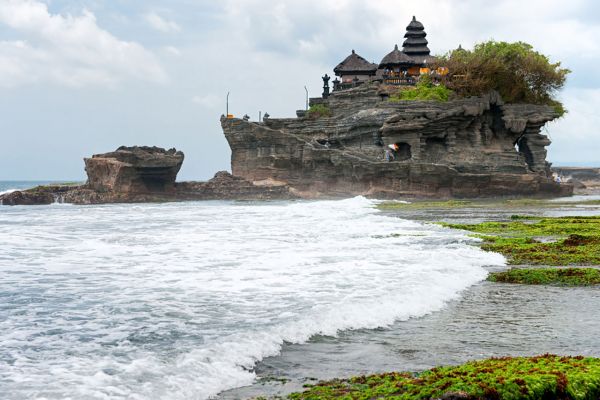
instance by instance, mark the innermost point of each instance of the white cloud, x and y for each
(172, 50)
(576, 137)
(208, 101)
(67, 49)
(160, 24)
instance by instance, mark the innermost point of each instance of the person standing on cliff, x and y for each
(389, 156)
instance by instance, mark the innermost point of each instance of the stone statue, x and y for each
(326, 79)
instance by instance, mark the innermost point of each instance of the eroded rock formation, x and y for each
(473, 147)
(138, 169)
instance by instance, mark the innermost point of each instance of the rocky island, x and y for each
(472, 147)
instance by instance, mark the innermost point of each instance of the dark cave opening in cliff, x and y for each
(402, 152)
(523, 148)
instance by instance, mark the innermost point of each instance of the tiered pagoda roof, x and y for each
(355, 64)
(415, 44)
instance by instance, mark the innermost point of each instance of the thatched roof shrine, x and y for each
(396, 58)
(355, 64)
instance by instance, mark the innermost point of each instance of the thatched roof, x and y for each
(396, 58)
(355, 64)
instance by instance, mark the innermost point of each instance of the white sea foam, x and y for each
(179, 301)
(7, 191)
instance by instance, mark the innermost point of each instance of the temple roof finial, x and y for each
(414, 18)
(353, 51)
(395, 47)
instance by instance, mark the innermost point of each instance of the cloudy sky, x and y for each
(79, 77)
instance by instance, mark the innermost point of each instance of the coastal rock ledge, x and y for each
(143, 174)
(467, 147)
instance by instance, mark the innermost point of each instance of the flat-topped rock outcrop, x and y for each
(470, 147)
(137, 169)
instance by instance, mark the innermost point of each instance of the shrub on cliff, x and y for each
(518, 72)
(424, 90)
(318, 110)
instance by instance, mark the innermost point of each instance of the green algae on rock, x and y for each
(541, 240)
(542, 377)
(549, 276)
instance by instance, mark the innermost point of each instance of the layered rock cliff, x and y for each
(473, 147)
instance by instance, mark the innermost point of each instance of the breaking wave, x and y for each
(180, 301)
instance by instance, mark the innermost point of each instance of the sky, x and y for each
(81, 77)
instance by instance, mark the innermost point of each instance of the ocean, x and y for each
(183, 300)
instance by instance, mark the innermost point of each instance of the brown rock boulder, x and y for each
(27, 198)
(224, 186)
(138, 169)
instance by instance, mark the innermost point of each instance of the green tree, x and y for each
(518, 72)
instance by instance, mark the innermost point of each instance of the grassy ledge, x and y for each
(549, 276)
(541, 377)
(541, 241)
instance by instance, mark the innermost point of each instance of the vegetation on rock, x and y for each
(519, 73)
(542, 241)
(425, 90)
(484, 203)
(318, 110)
(393, 205)
(549, 276)
(541, 377)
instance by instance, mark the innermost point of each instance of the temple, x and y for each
(399, 67)
(360, 139)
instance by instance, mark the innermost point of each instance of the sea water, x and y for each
(181, 300)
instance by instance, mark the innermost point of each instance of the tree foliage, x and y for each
(518, 72)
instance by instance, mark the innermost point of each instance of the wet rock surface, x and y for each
(474, 147)
(26, 198)
(225, 186)
(585, 180)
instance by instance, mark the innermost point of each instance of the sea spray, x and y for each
(181, 300)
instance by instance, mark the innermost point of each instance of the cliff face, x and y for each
(473, 147)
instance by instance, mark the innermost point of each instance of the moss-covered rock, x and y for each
(542, 377)
(549, 276)
(542, 241)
